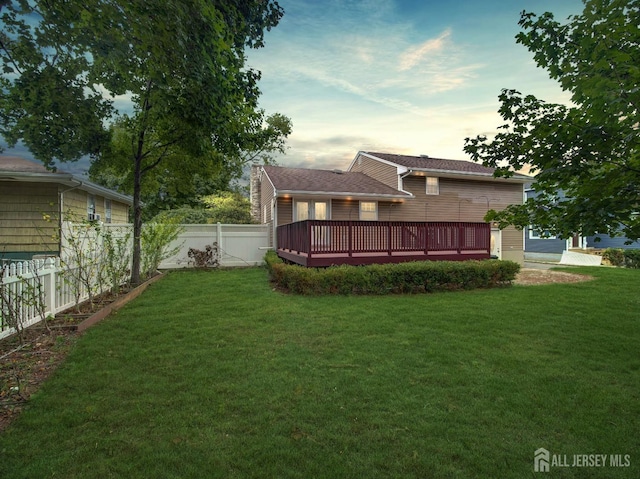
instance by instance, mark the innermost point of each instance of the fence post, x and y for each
(219, 237)
(49, 283)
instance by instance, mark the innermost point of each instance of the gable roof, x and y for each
(328, 183)
(19, 169)
(425, 163)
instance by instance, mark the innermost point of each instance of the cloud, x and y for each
(414, 55)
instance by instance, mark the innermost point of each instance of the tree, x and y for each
(227, 207)
(48, 101)
(181, 62)
(590, 151)
(181, 180)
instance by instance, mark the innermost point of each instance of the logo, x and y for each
(541, 460)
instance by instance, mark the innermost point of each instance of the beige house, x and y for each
(389, 188)
(34, 201)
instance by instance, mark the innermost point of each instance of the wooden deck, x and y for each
(326, 242)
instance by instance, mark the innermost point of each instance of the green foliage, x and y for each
(622, 257)
(411, 277)
(117, 257)
(156, 243)
(185, 215)
(228, 207)
(615, 256)
(589, 150)
(632, 258)
(48, 100)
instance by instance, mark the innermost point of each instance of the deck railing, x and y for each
(312, 237)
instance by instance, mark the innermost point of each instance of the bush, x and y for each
(412, 277)
(615, 256)
(622, 257)
(632, 258)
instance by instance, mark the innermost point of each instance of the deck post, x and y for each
(390, 250)
(426, 238)
(350, 238)
(460, 234)
(309, 242)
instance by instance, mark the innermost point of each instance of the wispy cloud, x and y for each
(357, 50)
(414, 55)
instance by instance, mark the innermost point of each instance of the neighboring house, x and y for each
(388, 188)
(539, 245)
(34, 201)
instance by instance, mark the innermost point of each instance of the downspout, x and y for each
(61, 210)
(401, 183)
(274, 219)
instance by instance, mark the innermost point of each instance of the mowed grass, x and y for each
(215, 375)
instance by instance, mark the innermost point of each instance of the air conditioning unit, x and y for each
(94, 217)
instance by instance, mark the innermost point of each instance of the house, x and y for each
(542, 246)
(446, 201)
(34, 201)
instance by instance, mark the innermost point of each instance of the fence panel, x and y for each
(239, 245)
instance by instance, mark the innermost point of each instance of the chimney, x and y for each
(255, 193)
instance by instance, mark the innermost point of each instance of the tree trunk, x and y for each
(137, 222)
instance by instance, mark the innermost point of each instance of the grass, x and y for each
(213, 374)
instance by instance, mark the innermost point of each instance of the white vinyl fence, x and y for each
(238, 245)
(55, 285)
(34, 288)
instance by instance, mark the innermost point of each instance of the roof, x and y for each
(328, 182)
(428, 164)
(20, 169)
(16, 164)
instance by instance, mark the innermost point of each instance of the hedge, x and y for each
(410, 277)
(622, 257)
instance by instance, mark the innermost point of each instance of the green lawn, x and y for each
(215, 375)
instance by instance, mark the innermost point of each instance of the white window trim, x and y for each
(375, 203)
(426, 186)
(91, 207)
(532, 234)
(311, 208)
(108, 210)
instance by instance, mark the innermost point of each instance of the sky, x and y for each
(395, 76)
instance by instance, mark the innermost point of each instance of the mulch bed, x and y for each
(530, 277)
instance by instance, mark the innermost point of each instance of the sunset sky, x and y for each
(397, 76)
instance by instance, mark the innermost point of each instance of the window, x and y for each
(368, 211)
(433, 188)
(91, 207)
(311, 210)
(536, 233)
(302, 210)
(107, 211)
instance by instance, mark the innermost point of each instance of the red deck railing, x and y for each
(326, 237)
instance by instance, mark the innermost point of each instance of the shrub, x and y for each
(615, 256)
(632, 258)
(411, 277)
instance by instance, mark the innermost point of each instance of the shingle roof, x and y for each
(19, 169)
(328, 181)
(16, 164)
(428, 163)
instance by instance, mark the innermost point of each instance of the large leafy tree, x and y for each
(181, 180)
(181, 62)
(589, 151)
